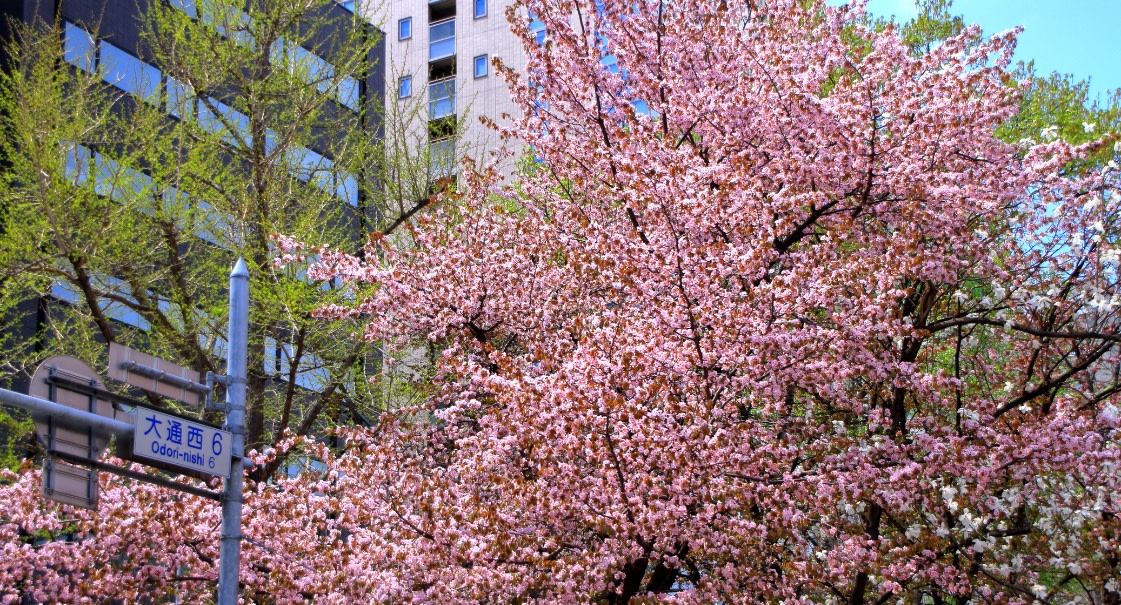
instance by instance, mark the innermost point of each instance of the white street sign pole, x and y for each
(230, 554)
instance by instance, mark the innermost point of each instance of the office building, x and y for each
(103, 42)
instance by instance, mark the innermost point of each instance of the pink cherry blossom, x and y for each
(773, 316)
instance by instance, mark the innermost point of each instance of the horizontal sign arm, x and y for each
(76, 419)
(64, 416)
(124, 472)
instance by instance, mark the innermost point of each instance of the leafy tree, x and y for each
(1057, 106)
(934, 24)
(805, 330)
(129, 194)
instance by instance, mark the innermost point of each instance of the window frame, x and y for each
(475, 63)
(475, 9)
(441, 157)
(403, 24)
(405, 85)
(434, 42)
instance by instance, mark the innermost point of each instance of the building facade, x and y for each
(440, 74)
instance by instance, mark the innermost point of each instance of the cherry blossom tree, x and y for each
(149, 541)
(774, 316)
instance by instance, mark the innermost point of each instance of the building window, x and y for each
(480, 9)
(346, 188)
(226, 121)
(187, 7)
(78, 47)
(311, 167)
(78, 160)
(538, 29)
(481, 66)
(441, 99)
(316, 70)
(441, 158)
(405, 87)
(230, 22)
(405, 28)
(128, 73)
(180, 99)
(441, 40)
(348, 94)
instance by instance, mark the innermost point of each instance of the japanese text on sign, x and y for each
(180, 442)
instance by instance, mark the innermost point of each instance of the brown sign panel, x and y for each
(64, 482)
(69, 484)
(122, 360)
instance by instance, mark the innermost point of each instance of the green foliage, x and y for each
(134, 217)
(1053, 105)
(933, 24)
(1058, 106)
(14, 430)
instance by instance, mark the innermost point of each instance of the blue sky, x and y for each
(1078, 37)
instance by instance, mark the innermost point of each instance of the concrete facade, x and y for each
(410, 54)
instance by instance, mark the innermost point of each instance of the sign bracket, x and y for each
(84, 388)
(93, 422)
(130, 474)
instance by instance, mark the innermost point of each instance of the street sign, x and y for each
(75, 433)
(60, 379)
(181, 443)
(154, 375)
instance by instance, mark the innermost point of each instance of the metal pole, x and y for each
(230, 554)
(66, 417)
